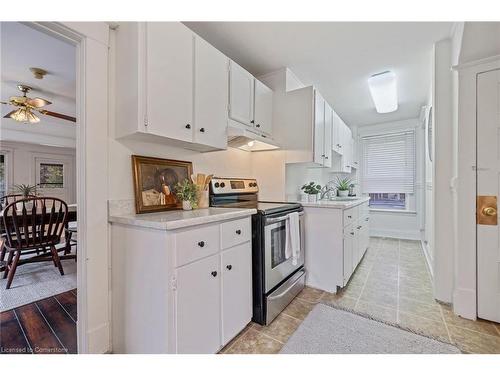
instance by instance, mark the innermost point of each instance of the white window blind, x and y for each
(389, 163)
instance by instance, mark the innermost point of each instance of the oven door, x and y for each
(277, 267)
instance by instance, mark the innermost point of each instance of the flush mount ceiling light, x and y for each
(384, 91)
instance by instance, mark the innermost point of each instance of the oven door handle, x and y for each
(273, 220)
(297, 279)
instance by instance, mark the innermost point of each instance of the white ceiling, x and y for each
(23, 47)
(337, 58)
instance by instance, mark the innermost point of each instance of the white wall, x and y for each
(22, 158)
(400, 224)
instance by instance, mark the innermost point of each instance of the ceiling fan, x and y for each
(26, 108)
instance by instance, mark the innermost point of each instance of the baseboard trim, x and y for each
(391, 233)
(99, 339)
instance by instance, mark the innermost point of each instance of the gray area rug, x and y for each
(328, 330)
(36, 281)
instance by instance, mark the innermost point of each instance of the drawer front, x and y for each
(196, 243)
(235, 232)
(350, 216)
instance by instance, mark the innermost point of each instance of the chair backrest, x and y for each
(8, 199)
(34, 222)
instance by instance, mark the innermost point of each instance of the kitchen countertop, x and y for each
(169, 220)
(335, 203)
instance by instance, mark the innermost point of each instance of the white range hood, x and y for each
(247, 140)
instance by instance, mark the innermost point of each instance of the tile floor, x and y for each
(391, 283)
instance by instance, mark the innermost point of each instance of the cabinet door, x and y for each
(241, 97)
(327, 149)
(197, 310)
(337, 133)
(211, 91)
(263, 112)
(319, 128)
(236, 290)
(349, 234)
(169, 80)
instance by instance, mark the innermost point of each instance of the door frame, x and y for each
(464, 186)
(91, 40)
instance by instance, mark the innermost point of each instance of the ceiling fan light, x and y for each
(32, 118)
(19, 115)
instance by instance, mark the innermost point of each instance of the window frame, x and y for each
(9, 168)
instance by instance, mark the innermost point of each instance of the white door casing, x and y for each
(488, 184)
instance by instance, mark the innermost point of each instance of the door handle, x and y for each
(489, 211)
(486, 210)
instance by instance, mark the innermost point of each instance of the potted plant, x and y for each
(25, 190)
(186, 191)
(311, 189)
(343, 185)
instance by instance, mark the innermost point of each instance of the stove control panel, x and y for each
(220, 185)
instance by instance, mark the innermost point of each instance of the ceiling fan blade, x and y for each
(9, 114)
(57, 115)
(38, 102)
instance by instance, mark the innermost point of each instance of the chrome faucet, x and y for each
(326, 189)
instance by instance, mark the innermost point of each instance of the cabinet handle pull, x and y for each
(326, 157)
(257, 126)
(229, 267)
(359, 226)
(188, 126)
(352, 233)
(349, 216)
(238, 231)
(202, 130)
(214, 273)
(367, 219)
(201, 243)
(252, 122)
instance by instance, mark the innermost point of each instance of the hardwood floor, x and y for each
(47, 326)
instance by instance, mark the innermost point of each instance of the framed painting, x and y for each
(155, 180)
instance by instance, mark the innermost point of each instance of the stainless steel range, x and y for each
(277, 279)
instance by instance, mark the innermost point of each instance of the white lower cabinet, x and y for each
(236, 272)
(198, 306)
(185, 290)
(337, 239)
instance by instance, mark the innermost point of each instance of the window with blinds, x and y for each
(388, 168)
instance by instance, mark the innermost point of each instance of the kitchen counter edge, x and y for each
(335, 204)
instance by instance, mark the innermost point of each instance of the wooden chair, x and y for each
(4, 202)
(29, 225)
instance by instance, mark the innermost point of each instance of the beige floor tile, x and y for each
(254, 342)
(280, 329)
(310, 294)
(428, 311)
(299, 309)
(339, 300)
(379, 297)
(418, 294)
(426, 327)
(383, 313)
(474, 342)
(481, 326)
(410, 282)
(238, 336)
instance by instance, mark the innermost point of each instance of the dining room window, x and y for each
(3, 174)
(51, 175)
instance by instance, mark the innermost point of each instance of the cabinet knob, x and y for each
(188, 126)
(367, 219)
(202, 130)
(352, 233)
(359, 226)
(326, 157)
(201, 243)
(229, 267)
(257, 126)
(238, 231)
(252, 122)
(349, 216)
(214, 273)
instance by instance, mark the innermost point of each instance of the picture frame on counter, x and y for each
(155, 180)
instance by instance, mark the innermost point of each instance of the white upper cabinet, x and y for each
(169, 80)
(319, 128)
(211, 90)
(171, 86)
(337, 134)
(263, 108)
(327, 162)
(241, 95)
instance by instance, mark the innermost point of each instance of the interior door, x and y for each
(241, 97)
(169, 80)
(211, 95)
(263, 108)
(319, 128)
(236, 290)
(197, 310)
(488, 185)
